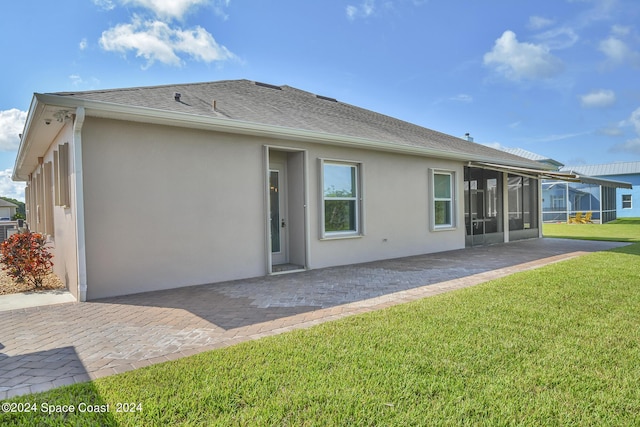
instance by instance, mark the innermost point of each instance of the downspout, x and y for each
(81, 255)
(267, 210)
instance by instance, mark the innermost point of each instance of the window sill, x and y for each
(341, 236)
(437, 229)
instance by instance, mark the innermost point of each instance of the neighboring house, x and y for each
(268, 179)
(627, 200)
(589, 191)
(7, 210)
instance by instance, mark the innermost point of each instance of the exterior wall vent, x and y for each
(326, 98)
(267, 85)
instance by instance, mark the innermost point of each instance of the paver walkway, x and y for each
(49, 346)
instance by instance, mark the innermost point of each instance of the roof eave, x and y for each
(25, 139)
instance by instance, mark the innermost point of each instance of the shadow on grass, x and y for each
(598, 239)
(633, 249)
(26, 373)
(624, 221)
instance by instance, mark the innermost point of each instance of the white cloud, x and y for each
(598, 98)
(76, 80)
(517, 61)
(11, 126)
(365, 9)
(618, 52)
(219, 6)
(610, 131)
(560, 137)
(83, 44)
(621, 30)
(495, 145)
(9, 188)
(462, 97)
(631, 145)
(634, 120)
(156, 41)
(166, 8)
(105, 4)
(538, 22)
(558, 38)
(615, 49)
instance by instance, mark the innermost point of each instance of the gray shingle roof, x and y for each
(285, 106)
(7, 204)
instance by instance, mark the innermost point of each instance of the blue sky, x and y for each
(557, 77)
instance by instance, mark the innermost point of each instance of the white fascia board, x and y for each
(604, 182)
(34, 109)
(172, 118)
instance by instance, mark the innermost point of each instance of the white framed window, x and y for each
(443, 200)
(341, 199)
(626, 201)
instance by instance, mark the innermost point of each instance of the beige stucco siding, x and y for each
(396, 208)
(61, 231)
(168, 207)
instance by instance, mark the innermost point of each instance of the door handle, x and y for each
(283, 224)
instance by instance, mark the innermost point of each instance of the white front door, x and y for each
(278, 209)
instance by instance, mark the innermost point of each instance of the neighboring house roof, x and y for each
(608, 169)
(7, 204)
(533, 156)
(581, 175)
(247, 107)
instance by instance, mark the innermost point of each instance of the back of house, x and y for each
(149, 188)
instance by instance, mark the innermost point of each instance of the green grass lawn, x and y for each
(622, 230)
(559, 345)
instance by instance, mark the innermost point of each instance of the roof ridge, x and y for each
(135, 88)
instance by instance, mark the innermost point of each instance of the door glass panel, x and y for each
(477, 212)
(275, 210)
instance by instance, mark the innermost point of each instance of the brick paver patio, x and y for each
(50, 346)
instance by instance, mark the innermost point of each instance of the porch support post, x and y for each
(540, 215)
(601, 204)
(567, 201)
(505, 205)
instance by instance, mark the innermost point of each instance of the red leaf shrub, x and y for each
(26, 257)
